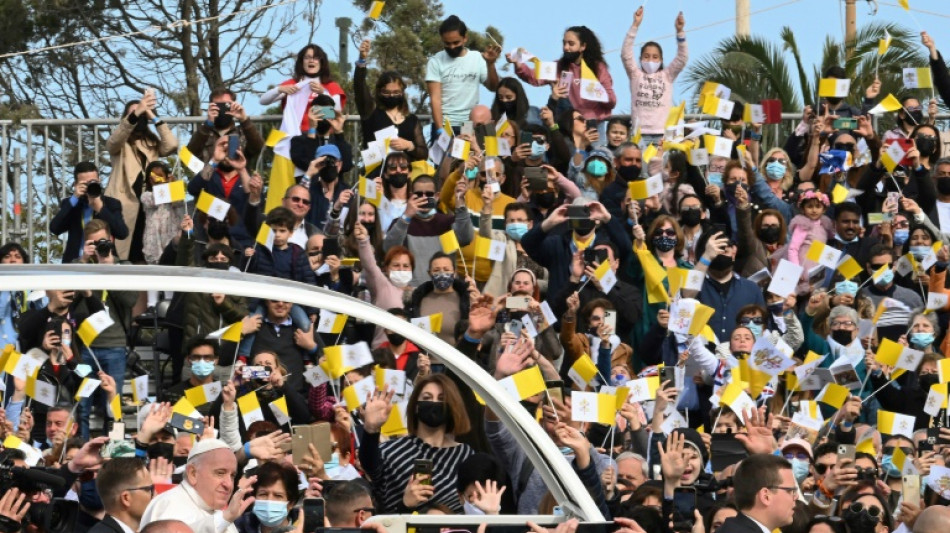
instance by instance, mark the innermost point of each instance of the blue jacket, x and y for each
(554, 252)
(740, 293)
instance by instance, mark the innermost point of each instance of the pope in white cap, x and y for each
(204, 500)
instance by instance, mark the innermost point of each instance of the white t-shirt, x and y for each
(460, 79)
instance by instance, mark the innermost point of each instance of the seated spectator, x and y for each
(88, 202)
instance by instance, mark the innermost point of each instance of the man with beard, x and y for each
(225, 117)
(453, 75)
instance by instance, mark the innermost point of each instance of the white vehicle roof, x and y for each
(561, 480)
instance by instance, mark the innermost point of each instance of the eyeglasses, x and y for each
(781, 160)
(847, 147)
(792, 491)
(821, 468)
(717, 168)
(889, 450)
(420, 194)
(314, 253)
(299, 200)
(745, 321)
(669, 232)
(879, 266)
(149, 488)
(203, 357)
(842, 324)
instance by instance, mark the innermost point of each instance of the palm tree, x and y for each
(756, 69)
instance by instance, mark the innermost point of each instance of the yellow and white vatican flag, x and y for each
(283, 172)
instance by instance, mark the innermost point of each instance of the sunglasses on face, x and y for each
(820, 469)
(889, 450)
(847, 147)
(669, 232)
(420, 194)
(299, 200)
(314, 253)
(781, 160)
(745, 321)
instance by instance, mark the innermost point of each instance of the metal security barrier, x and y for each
(37, 157)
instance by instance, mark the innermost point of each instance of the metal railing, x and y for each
(37, 157)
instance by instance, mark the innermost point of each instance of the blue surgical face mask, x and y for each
(619, 380)
(566, 451)
(888, 466)
(886, 278)
(537, 149)
(921, 339)
(333, 463)
(715, 178)
(270, 512)
(846, 287)
(470, 509)
(775, 171)
(597, 168)
(919, 252)
(471, 173)
(901, 236)
(428, 213)
(756, 329)
(202, 368)
(800, 469)
(516, 230)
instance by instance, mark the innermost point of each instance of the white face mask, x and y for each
(470, 509)
(650, 66)
(400, 278)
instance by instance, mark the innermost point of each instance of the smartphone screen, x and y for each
(684, 502)
(423, 467)
(313, 514)
(668, 374)
(234, 142)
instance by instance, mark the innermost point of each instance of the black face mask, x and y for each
(395, 339)
(398, 180)
(943, 185)
(721, 263)
(179, 461)
(223, 121)
(369, 226)
(328, 174)
(218, 266)
(926, 145)
(431, 414)
(769, 234)
(392, 102)
(629, 173)
(740, 355)
(690, 217)
(914, 118)
(510, 108)
(454, 52)
(160, 449)
(583, 227)
(323, 127)
(833, 101)
(842, 337)
(546, 200)
(928, 380)
(570, 57)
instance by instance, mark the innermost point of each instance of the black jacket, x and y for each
(941, 78)
(69, 219)
(739, 524)
(107, 525)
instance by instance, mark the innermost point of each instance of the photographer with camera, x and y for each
(225, 117)
(87, 203)
(109, 349)
(322, 178)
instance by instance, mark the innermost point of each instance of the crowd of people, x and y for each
(719, 336)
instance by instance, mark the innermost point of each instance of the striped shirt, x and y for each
(390, 465)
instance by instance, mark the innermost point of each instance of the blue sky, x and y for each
(538, 26)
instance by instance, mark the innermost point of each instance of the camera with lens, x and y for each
(104, 247)
(93, 189)
(223, 107)
(57, 516)
(867, 474)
